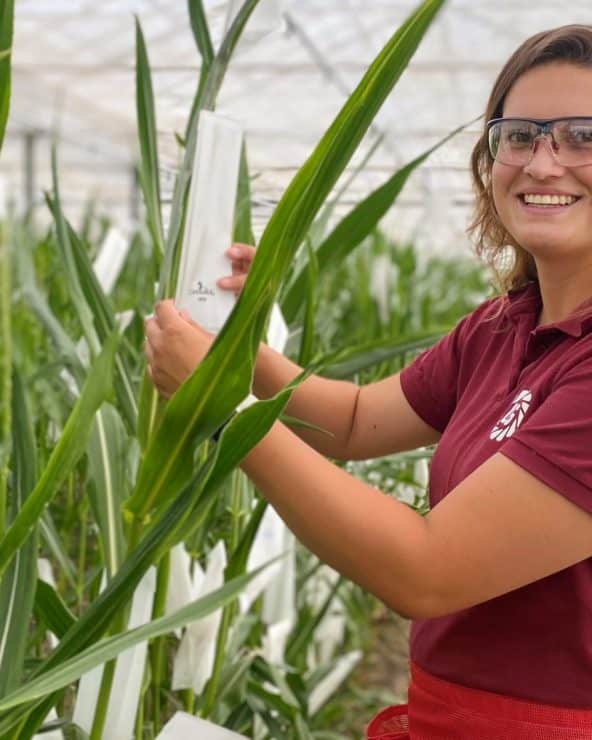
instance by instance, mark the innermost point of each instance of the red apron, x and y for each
(440, 710)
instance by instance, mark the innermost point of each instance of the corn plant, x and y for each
(135, 477)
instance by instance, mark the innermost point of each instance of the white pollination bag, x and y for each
(184, 726)
(210, 221)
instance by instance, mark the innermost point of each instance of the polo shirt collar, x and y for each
(525, 305)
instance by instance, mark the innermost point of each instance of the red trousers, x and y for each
(440, 710)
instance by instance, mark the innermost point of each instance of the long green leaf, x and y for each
(25, 272)
(182, 516)
(149, 170)
(17, 590)
(356, 226)
(5, 367)
(65, 454)
(89, 290)
(346, 363)
(105, 323)
(201, 32)
(223, 379)
(295, 649)
(70, 272)
(243, 226)
(51, 610)
(106, 459)
(55, 543)
(110, 648)
(6, 31)
(307, 340)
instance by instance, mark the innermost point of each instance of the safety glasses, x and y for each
(512, 141)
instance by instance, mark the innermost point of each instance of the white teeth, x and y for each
(549, 200)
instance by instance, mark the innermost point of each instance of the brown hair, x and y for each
(512, 265)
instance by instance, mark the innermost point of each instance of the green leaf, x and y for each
(33, 296)
(110, 648)
(6, 30)
(105, 323)
(307, 341)
(89, 290)
(76, 295)
(201, 32)
(299, 640)
(65, 454)
(17, 589)
(355, 227)
(106, 450)
(5, 367)
(346, 363)
(243, 227)
(54, 541)
(223, 379)
(51, 610)
(149, 170)
(173, 526)
(239, 558)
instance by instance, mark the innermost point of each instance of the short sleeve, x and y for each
(555, 443)
(430, 381)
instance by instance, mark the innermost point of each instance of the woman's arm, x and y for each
(499, 529)
(362, 422)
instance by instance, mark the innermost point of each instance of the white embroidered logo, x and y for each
(508, 424)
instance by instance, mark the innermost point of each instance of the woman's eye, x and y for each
(519, 137)
(580, 135)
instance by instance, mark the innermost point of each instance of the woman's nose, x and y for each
(543, 161)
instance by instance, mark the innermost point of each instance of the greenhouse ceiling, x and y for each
(73, 70)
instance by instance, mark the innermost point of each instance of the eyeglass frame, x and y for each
(544, 128)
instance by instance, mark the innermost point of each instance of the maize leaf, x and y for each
(17, 590)
(355, 227)
(200, 405)
(64, 456)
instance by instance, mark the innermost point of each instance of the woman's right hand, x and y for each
(241, 256)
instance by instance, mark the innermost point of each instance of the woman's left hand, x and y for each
(174, 347)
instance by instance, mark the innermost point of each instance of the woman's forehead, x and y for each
(551, 91)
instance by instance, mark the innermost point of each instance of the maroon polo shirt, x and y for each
(506, 385)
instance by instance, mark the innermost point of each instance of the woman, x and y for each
(497, 577)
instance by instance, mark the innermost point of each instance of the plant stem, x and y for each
(5, 370)
(140, 720)
(103, 699)
(212, 687)
(157, 649)
(188, 700)
(82, 545)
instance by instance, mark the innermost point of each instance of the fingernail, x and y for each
(223, 282)
(233, 252)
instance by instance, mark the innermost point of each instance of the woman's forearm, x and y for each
(329, 404)
(367, 536)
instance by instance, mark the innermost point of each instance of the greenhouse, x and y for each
(224, 505)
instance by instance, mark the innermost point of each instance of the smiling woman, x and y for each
(497, 577)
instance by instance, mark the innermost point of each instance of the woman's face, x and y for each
(554, 90)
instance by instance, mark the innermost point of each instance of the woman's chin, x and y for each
(542, 244)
